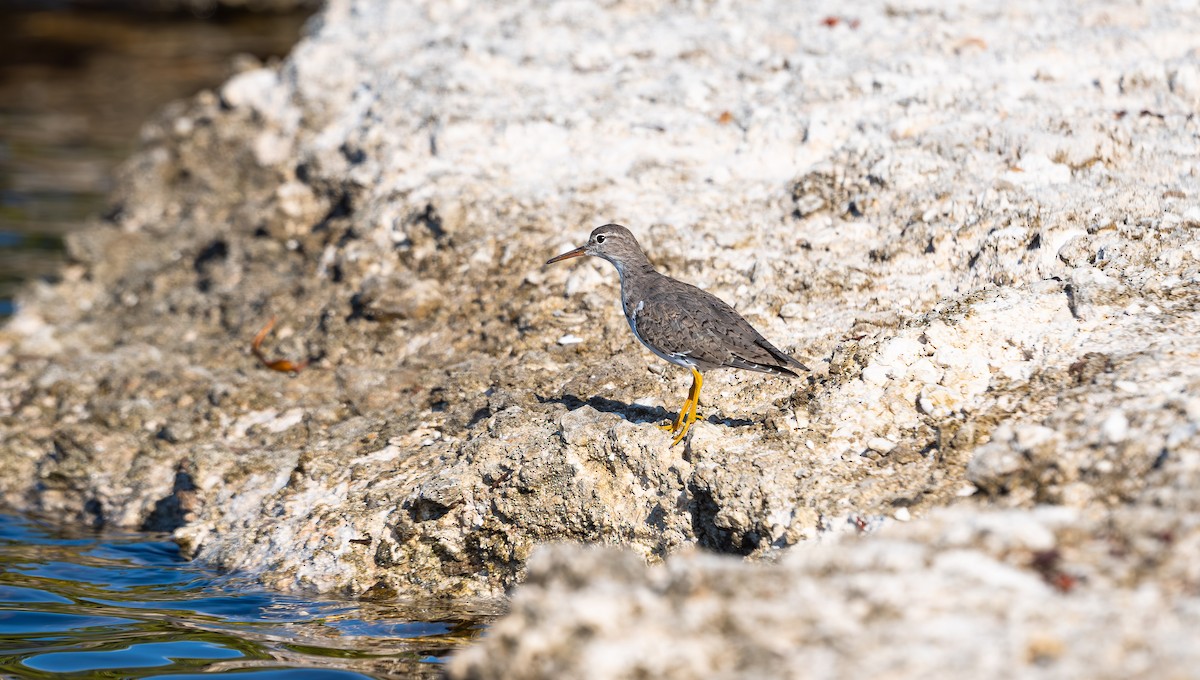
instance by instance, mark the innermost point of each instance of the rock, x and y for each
(985, 249)
(1043, 591)
(1115, 427)
(206, 7)
(880, 444)
(1183, 77)
(396, 298)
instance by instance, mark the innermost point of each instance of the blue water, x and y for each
(126, 605)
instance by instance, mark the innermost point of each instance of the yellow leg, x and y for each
(690, 406)
(683, 411)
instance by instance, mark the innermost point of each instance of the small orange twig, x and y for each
(281, 365)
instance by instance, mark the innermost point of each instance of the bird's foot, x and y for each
(673, 427)
(686, 427)
(682, 433)
(688, 414)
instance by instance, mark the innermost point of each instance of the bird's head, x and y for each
(611, 242)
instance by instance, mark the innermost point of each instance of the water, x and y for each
(75, 87)
(127, 605)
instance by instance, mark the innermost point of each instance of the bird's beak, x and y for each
(578, 252)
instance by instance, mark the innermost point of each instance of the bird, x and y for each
(680, 323)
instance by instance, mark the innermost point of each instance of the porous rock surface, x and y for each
(1041, 594)
(203, 7)
(977, 223)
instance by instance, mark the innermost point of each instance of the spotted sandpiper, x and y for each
(679, 322)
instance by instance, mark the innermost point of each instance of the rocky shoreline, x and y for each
(978, 225)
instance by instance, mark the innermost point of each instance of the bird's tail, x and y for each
(783, 357)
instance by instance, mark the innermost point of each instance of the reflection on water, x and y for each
(126, 605)
(75, 87)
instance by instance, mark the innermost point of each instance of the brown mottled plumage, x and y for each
(679, 322)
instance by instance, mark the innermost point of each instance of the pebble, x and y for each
(881, 444)
(1115, 427)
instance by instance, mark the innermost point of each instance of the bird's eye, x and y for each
(600, 238)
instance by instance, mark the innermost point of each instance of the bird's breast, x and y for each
(631, 312)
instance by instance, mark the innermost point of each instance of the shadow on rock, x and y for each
(729, 422)
(177, 509)
(634, 413)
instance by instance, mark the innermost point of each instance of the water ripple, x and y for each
(127, 605)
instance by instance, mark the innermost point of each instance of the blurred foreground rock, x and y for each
(978, 224)
(963, 593)
(199, 7)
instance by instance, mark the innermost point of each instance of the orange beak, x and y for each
(578, 252)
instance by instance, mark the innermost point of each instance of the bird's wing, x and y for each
(669, 328)
(684, 320)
